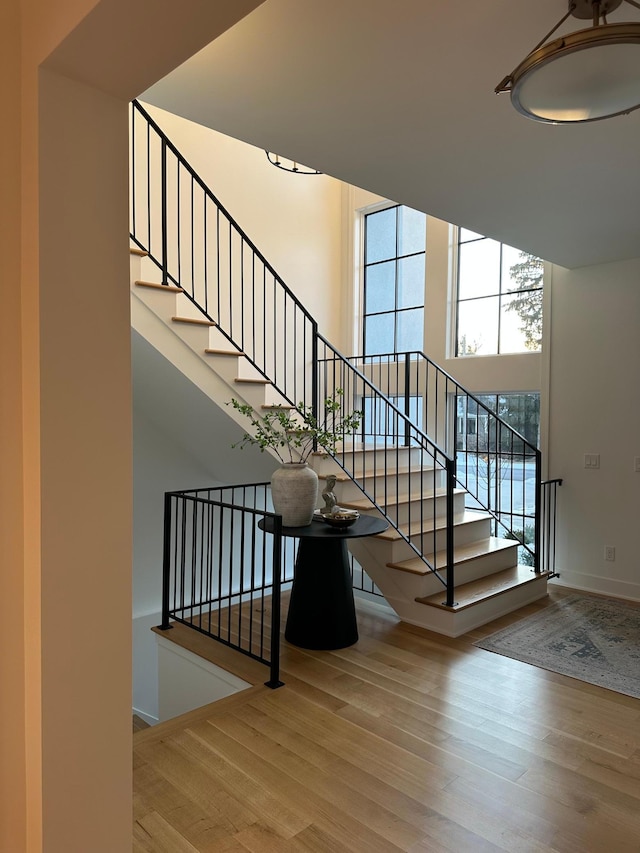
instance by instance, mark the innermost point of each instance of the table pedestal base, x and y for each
(322, 613)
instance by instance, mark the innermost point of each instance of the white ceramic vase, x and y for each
(294, 489)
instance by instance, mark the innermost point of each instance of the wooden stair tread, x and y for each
(195, 321)
(468, 517)
(256, 381)
(133, 250)
(485, 588)
(461, 554)
(366, 504)
(388, 473)
(167, 288)
(235, 352)
(276, 406)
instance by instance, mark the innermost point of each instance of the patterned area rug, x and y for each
(593, 639)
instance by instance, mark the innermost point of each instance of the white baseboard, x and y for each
(600, 585)
(146, 717)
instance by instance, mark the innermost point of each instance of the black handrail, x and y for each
(212, 582)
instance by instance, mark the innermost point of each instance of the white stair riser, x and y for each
(161, 302)
(401, 484)
(254, 394)
(227, 367)
(399, 550)
(195, 336)
(456, 624)
(186, 308)
(410, 513)
(413, 512)
(396, 583)
(368, 460)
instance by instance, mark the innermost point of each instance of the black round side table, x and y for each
(322, 613)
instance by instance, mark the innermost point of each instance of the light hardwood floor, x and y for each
(406, 741)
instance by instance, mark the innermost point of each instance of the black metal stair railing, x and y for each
(548, 523)
(499, 469)
(402, 472)
(197, 245)
(222, 575)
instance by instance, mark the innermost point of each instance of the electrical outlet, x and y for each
(609, 553)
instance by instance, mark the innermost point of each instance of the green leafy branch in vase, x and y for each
(293, 435)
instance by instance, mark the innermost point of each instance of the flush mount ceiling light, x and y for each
(585, 76)
(290, 165)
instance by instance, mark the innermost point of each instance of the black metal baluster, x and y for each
(219, 287)
(166, 562)
(274, 679)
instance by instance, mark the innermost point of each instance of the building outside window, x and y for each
(499, 298)
(394, 280)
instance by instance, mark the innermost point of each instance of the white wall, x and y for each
(159, 465)
(595, 408)
(188, 681)
(294, 220)
(145, 667)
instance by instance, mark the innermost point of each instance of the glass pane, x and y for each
(479, 271)
(380, 229)
(411, 281)
(412, 226)
(410, 330)
(465, 235)
(520, 270)
(378, 334)
(478, 326)
(522, 412)
(521, 322)
(380, 287)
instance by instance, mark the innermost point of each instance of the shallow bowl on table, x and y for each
(341, 518)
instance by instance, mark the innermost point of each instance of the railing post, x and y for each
(314, 376)
(166, 563)
(537, 538)
(407, 399)
(274, 675)
(165, 265)
(451, 582)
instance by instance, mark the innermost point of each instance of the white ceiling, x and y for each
(398, 98)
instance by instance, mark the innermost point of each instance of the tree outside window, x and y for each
(499, 297)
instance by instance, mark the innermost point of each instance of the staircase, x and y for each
(243, 333)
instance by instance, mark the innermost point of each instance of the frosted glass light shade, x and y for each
(585, 76)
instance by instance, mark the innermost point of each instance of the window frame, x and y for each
(500, 293)
(396, 311)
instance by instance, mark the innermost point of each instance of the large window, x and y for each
(499, 298)
(394, 267)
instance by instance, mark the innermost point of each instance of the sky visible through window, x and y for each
(394, 277)
(499, 297)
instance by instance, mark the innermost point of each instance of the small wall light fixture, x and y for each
(290, 165)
